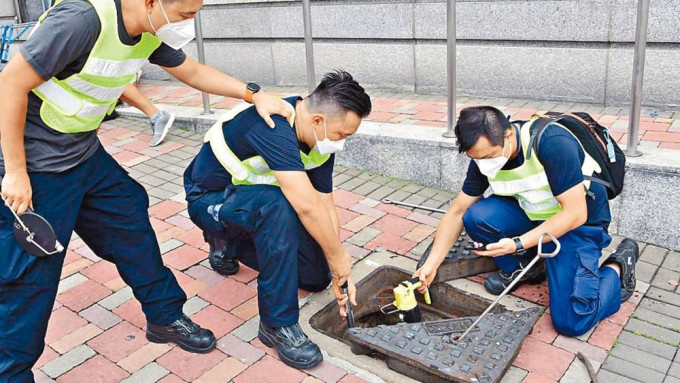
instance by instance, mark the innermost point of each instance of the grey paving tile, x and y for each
(364, 236)
(671, 379)
(645, 271)
(151, 180)
(632, 370)
(247, 331)
(674, 370)
(663, 277)
(412, 188)
(116, 299)
(160, 193)
(368, 175)
(641, 358)
(663, 296)
(353, 172)
(397, 184)
(648, 345)
(150, 373)
(381, 192)
(514, 375)
(352, 184)
(650, 330)
(653, 254)
(660, 307)
(339, 179)
(366, 188)
(399, 195)
(68, 361)
(672, 261)
(610, 377)
(658, 319)
(382, 180)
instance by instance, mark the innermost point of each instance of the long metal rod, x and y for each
(638, 77)
(201, 58)
(451, 67)
(309, 45)
(17, 9)
(504, 293)
(389, 201)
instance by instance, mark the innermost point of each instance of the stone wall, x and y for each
(564, 50)
(7, 13)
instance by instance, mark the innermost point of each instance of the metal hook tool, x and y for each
(512, 284)
(399, 203)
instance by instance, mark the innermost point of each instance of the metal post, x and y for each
(201, 58)
(451, 67)
(309, 47)
(17, 9)
(638, 77)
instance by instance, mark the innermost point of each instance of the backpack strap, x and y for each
(537, 129)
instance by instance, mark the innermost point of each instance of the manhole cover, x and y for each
(459, 262)
(429, 352)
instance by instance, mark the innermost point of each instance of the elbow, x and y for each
(580, 218)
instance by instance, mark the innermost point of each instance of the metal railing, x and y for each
(201, 57)
(636, 87)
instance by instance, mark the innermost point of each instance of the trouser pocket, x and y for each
(586, 284)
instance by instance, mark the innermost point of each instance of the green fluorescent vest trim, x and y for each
(254, 170)
(80, 102)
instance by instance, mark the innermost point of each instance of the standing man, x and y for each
(531, 195)
(57, 90)
(263, 197)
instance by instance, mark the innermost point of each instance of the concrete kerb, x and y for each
(420, 154)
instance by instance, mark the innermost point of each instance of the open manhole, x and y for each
(428, 351)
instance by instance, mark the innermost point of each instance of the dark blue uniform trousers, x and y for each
(264, 232)
(581, 293)
(108, 210)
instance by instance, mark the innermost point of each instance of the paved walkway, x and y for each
(96, 331)
(658, 128)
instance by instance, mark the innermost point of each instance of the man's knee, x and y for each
(315, 283)
(477, 217)
(569, 327)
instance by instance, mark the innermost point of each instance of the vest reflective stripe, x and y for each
(254, 170)
(111, 68)
(80, 102)
(528, 183)
(69, 104)
(95, 91)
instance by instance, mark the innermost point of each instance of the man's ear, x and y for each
(148, 4)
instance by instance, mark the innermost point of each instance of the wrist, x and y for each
(252, 90)
(519, 245)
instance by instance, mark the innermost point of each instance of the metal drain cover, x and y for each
(428, 351)
(459, 262)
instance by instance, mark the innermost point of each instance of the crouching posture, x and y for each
(550, 190)
(263, 197)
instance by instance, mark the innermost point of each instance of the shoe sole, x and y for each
(264, 338)
(222, 272)
(165, 131)
(159, 339)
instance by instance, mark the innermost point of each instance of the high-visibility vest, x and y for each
(80, 102)
(253, 170)
(528, 183)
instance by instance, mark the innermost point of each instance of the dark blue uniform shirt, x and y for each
(562, 157)
(248, 135)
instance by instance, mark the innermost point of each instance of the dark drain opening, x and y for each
(375, 291)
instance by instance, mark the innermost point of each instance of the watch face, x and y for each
(253, 87)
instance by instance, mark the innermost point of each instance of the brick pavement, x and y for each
(96, 330)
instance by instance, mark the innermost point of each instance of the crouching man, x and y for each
(263, 197)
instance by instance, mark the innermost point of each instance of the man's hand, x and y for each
(426, 274)
(16, 189)
(503, 247)
(267, 104)
(341, 297)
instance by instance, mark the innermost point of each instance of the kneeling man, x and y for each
(263, 197)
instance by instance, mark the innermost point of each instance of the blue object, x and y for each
(581, 293)
(108, 210)
(263, 231)
(8, 39)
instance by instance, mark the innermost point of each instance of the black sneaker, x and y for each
(294, 347)
(185, 333)
(626, 256)
(498, 281)
(219, 261)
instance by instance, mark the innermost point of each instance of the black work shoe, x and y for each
(295, 349)
(626, 256)
(219, 261)
(498, 281)
(185, 333)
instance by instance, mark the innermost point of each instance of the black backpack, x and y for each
(595, 140)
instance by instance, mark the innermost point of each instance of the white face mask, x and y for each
(491, 166)
(175, 35)
(326, 146)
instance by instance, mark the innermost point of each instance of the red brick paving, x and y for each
(605, 334)
(228, 294)
(543, 358)
(97, 369)
(119, 342)
(219, 321)
(190, 366)
(270, 370)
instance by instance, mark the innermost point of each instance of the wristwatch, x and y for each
(520, 247)
(251, 89)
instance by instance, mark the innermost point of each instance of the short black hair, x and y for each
(337, 93)
(477, 121)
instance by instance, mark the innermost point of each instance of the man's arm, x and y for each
(210, 80)
(448, 231)
(329, 203)
(317, 219)
(16, 81)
